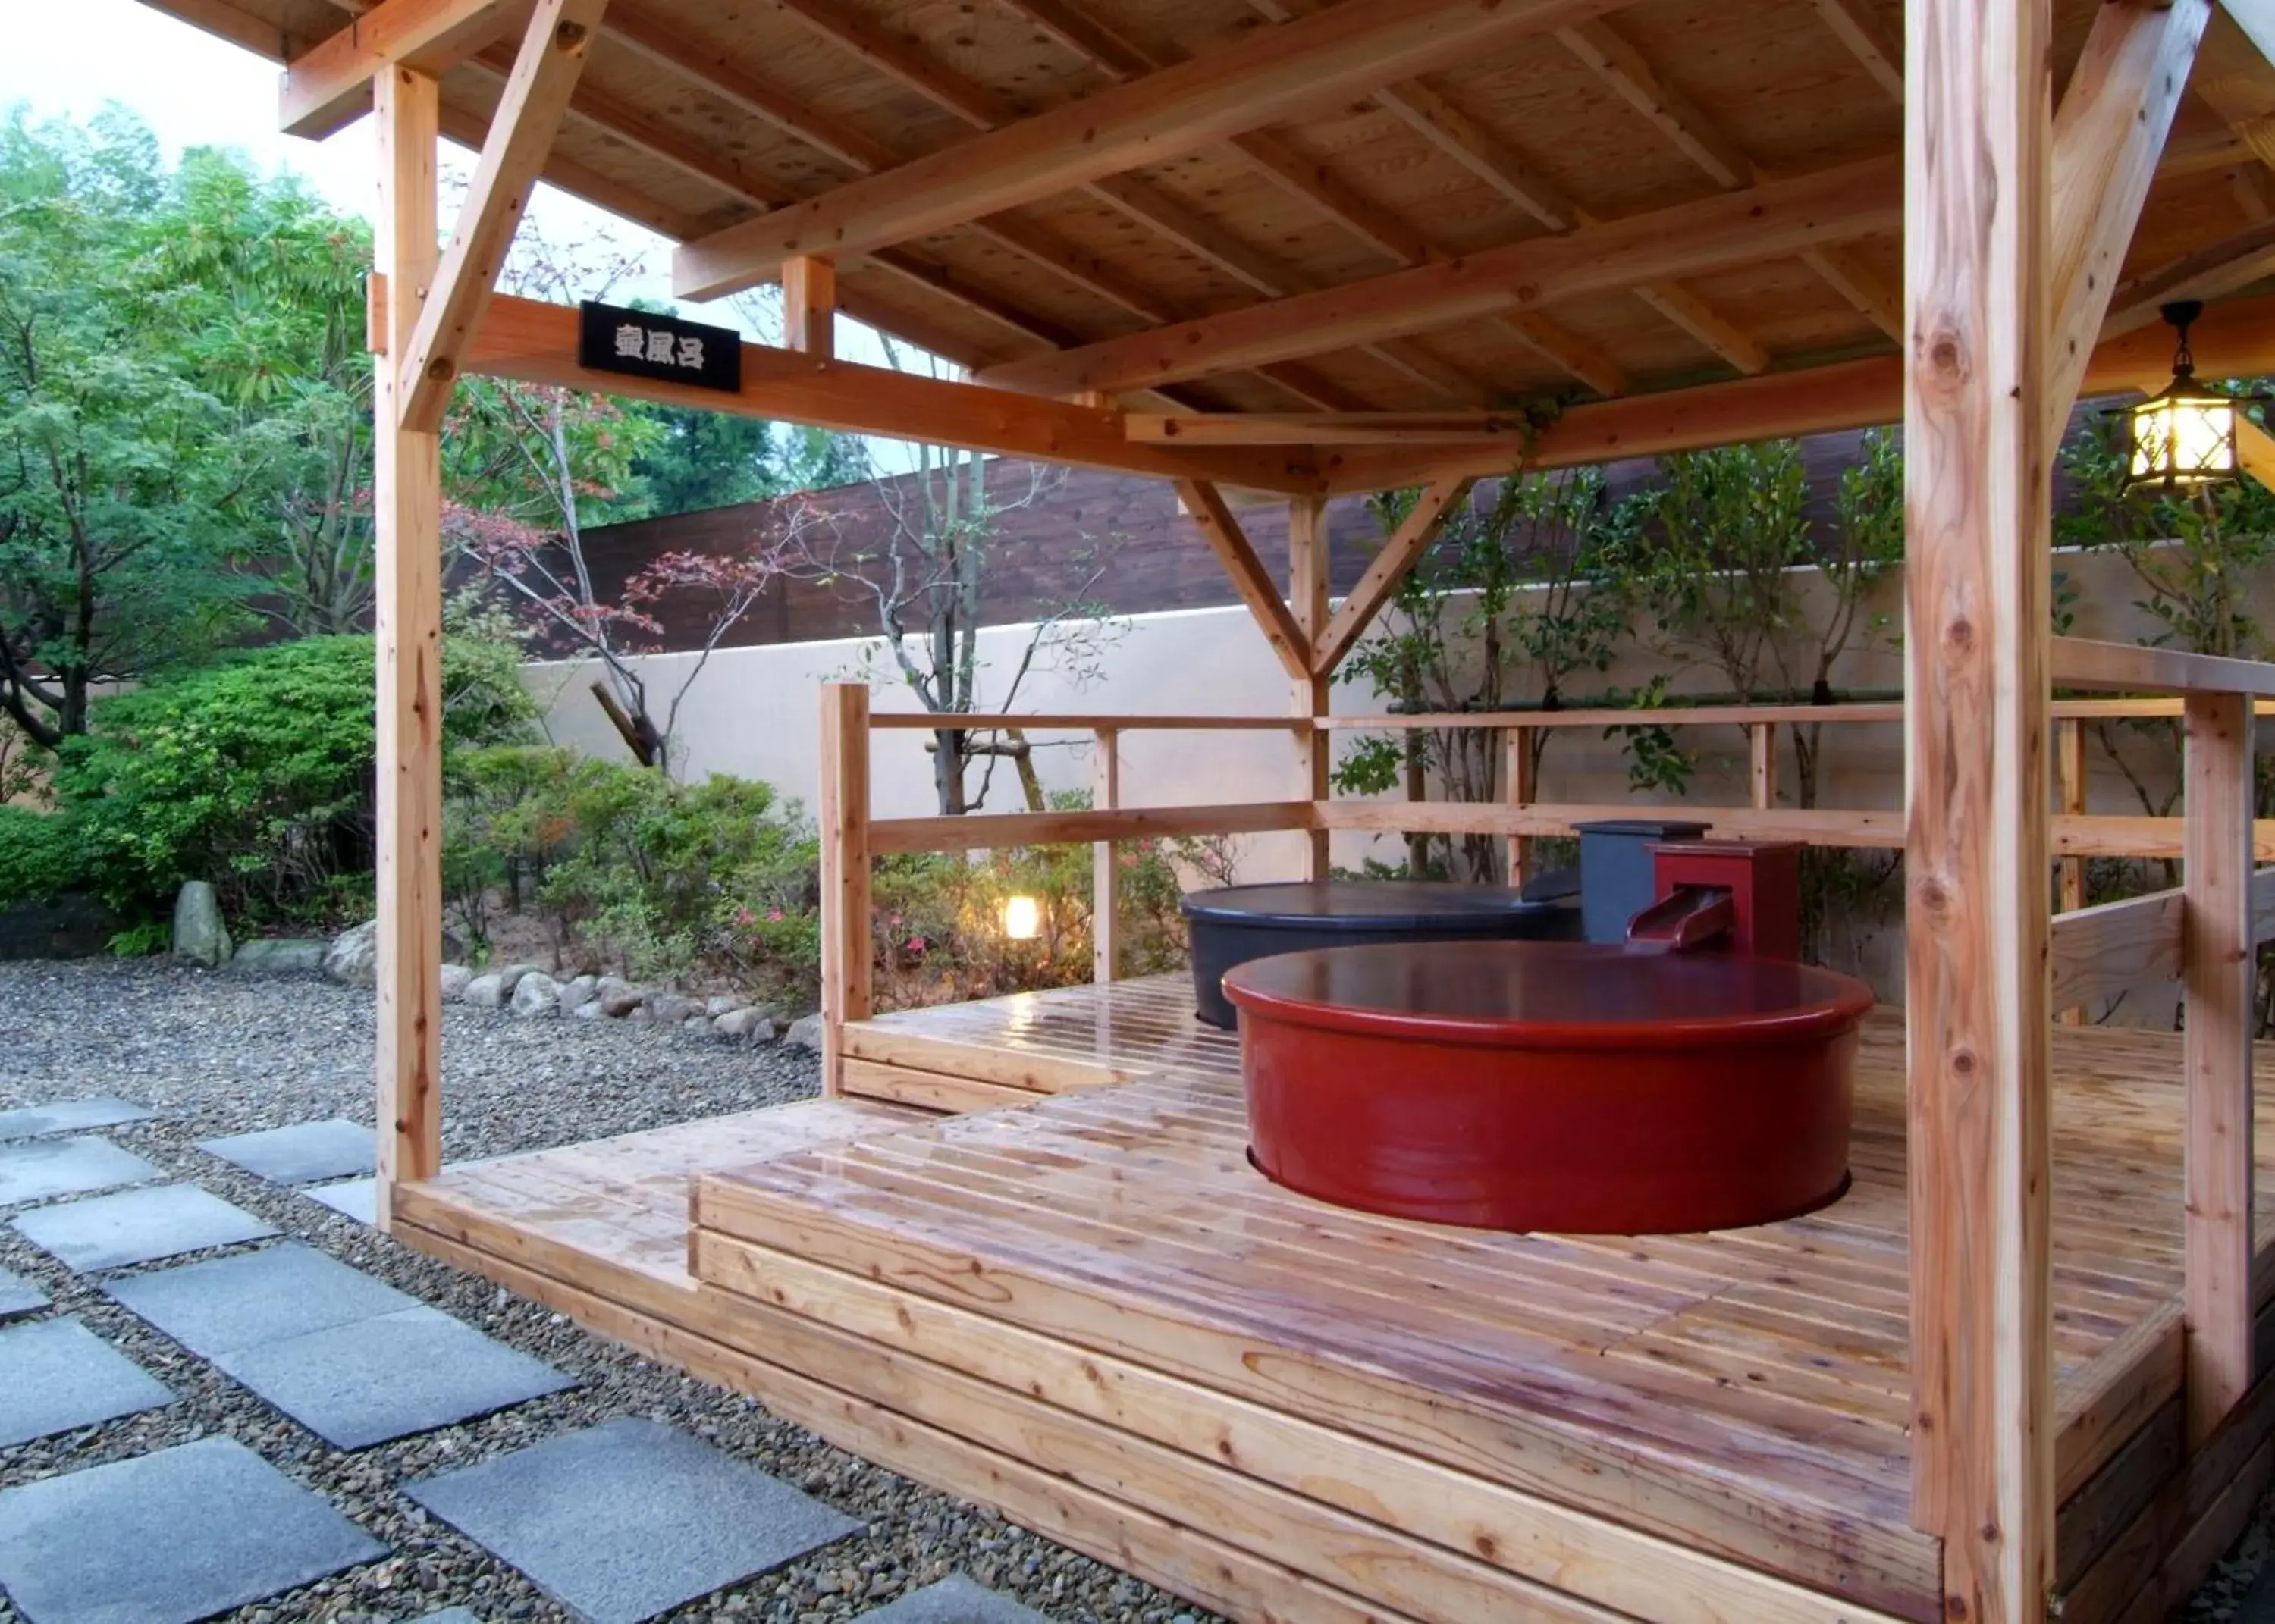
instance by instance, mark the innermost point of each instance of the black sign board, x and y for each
(611, 338)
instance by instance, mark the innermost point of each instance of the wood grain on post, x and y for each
(2069, 768)
(1105, 868)
(407, 513)
(2219, 975)
(1307, 596)
(847, 951)
(1978, 140)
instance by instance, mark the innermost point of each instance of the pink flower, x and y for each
(893, 921)
(742, 916)
(916, 944)
(773, 916)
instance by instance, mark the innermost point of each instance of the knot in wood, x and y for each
(569, 36)
(1962, 1064)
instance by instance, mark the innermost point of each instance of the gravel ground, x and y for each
(214, 1053)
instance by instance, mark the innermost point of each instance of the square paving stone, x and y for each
(136, 1226)
(18, 1295)
(302, 1153)
(226, 1303)
(70, 1116)
(357, 1198)
(371, 1380)
(621, 1521)
(45, 1168)
(168, 1538)
(953, 1600)
(57, 1375)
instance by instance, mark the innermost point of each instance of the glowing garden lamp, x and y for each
(2185, 433)
(1023, 919)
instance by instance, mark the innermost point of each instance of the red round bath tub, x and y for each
(1597, 1089)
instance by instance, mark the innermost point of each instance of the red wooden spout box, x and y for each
(1587, 1088)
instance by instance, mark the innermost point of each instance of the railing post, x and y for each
(1307, 596)
(1517, 788)
(2219, 978)
(1761, 747)
(2069, 765)
(1104, 872)
(847, 952)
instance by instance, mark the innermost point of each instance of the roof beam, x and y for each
(2211, 272)
(2234, 339)
(1776, 219)
(2108, 133)
(545, 73)
(536, 342)
(329, 87)
(1321, 427)
(1175, 110)
(1414, 536)
(2235, 78)
(1860, 30)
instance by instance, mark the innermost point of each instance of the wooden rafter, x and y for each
(1860, 30)
(1175, 110)
(1321, 427)
(329, 87)
(1389, 568)
(1206, 508)
(1775, 218)
(810, 308)
(545, 73)
(2218, 268)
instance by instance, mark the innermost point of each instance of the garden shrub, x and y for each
(256, 773)
(43, 855)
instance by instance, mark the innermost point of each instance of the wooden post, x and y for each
(1761, 747)
(407, 509)
(847, 951)
(1105, 868)
(2069, 768)
(1978, 140)
(1307, 594)
(810, 306)
(2221, 975)
(1519, 790)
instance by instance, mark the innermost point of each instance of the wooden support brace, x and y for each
(1391, 567)
(528, 117)
(329, 85)
(847, 951)
(810, 306)
(2219, 975)
(407, 517)
(1761, 752)
(1249, 578)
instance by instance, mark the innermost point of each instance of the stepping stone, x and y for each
(136, 1226)
(226, 1303)
(371, 1380)
(70, 1116)
(357, 1198)
(302, 1153)
(46, 1168)
(56, 1376)
(18, 1295)
(953, 1600)
(625, 1521)
(168, 1538)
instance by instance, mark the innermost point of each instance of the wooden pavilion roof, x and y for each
(1726, 176)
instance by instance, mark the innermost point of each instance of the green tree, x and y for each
(119, 470)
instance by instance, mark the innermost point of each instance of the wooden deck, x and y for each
(1090, 1311)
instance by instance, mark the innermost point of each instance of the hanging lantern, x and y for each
(2185, 433)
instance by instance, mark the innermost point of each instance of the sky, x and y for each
(70, 57)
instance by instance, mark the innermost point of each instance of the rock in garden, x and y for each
(618, 997)
(510, 976)
(744, 1025)
(352, 959)
(577, 992)
(455, 979)
(721, 1003)
(280, 955)
(697, 1022)
(805, 1032)
(486, 993)
(671, 1008)
(590, 1010)
(537, 996)
(200, 937)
